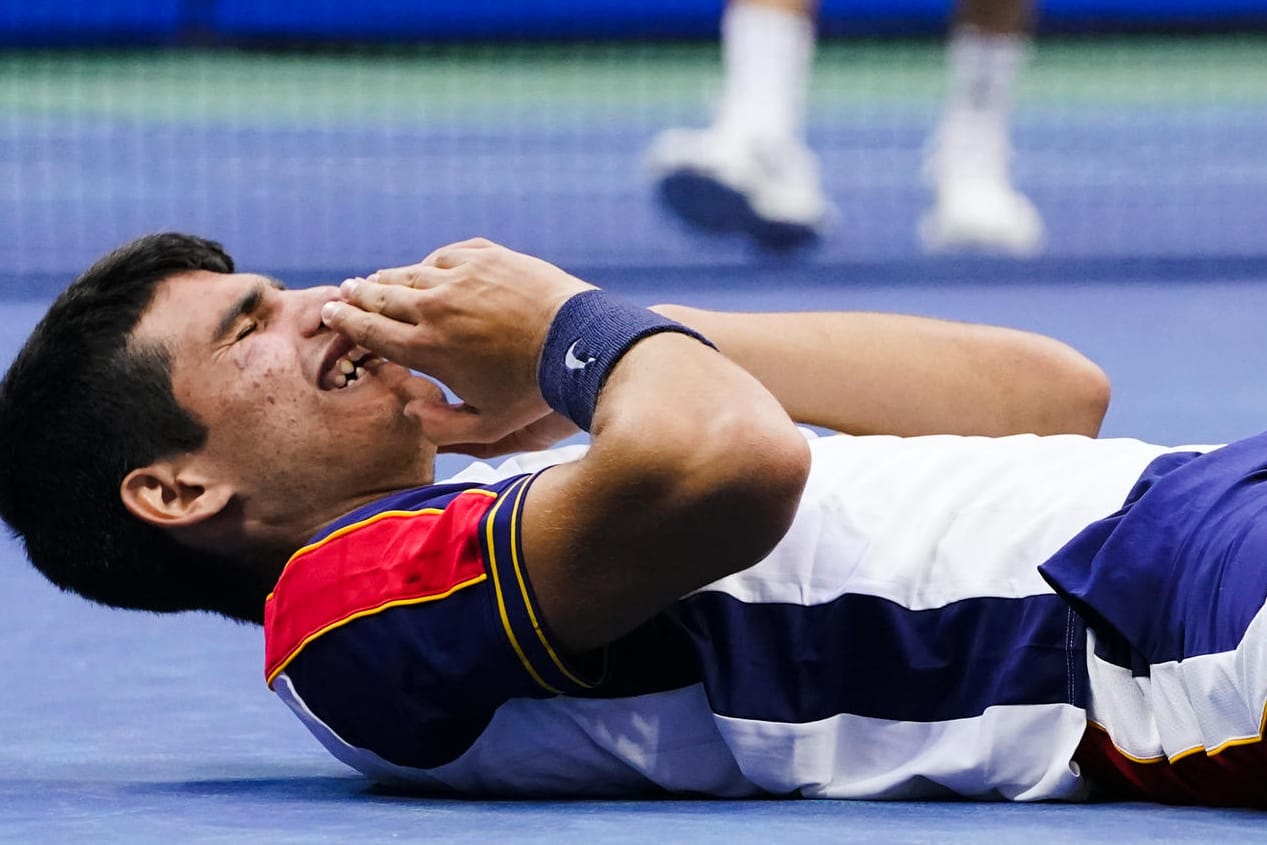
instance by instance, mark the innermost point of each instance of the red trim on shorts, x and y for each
(1235, 777)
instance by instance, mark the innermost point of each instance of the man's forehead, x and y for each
(189, 304)
(209, 285)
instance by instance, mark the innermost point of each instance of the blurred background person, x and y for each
(752, 170)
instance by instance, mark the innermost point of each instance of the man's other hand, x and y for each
(535, 436)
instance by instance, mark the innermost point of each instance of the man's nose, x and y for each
(308, 308)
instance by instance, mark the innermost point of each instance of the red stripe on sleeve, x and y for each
(388, 559)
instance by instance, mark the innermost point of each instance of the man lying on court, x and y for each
(702, 602)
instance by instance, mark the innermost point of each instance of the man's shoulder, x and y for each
(399, 628)
(413, 546)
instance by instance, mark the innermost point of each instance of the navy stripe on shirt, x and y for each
(869, 656)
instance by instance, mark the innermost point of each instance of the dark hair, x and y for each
(82, 405)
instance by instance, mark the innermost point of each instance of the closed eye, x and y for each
(247, 328)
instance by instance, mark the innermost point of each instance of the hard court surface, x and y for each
(119, 727)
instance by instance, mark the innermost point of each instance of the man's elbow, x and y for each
(1077, 397)
(787, 474)
(751, 488)
(1093, 395)
(778, 469)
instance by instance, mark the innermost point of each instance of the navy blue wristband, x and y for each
(588, 336)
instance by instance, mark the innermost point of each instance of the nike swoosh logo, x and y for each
(572, 362)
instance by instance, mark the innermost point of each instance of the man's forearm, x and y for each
(866, 373)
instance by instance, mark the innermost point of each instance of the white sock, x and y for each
(766, 55)
(981, 69)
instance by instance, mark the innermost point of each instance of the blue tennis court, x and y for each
(132, 728)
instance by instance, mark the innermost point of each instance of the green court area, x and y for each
(521, 82)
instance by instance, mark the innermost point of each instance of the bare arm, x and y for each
(694, 473)
(695, 470)
(866, 373)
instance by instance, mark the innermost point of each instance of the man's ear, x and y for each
(173, 494)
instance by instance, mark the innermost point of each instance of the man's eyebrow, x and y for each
(248, 303)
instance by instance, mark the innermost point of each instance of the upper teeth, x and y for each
(345, 368)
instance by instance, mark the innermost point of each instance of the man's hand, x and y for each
(694, 471)
(473, 315)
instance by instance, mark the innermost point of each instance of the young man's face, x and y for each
(256, 365)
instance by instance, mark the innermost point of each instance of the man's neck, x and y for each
(323, 520)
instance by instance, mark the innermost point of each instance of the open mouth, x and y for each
(349, 370)
(347, 365)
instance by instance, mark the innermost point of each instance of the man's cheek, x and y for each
(243, 356)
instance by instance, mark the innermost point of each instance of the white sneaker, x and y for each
(722, 181)
(975, 205)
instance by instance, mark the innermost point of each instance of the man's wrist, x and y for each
(589, 335)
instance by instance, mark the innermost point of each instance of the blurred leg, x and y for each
(751, 171)
(968, 167)
(767, 53)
